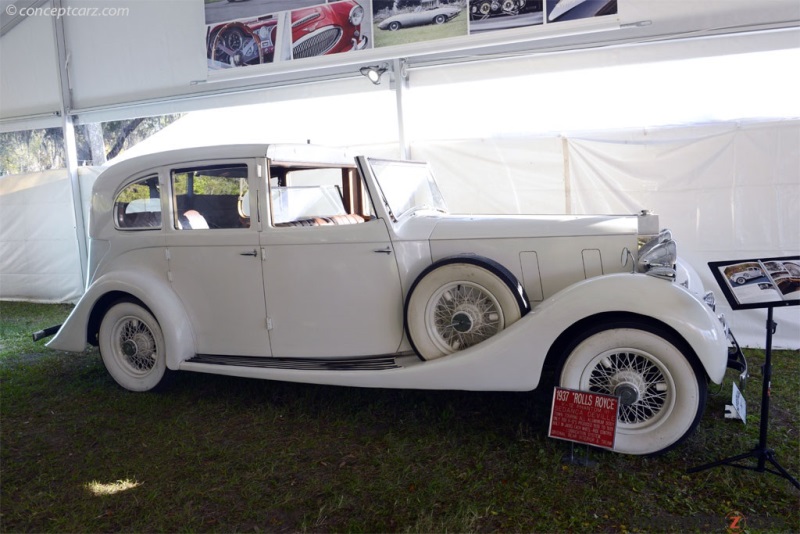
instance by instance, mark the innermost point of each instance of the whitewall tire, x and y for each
(454, 306)
(132, 347)
(662, 389)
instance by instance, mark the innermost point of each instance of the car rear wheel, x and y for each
(458, 305)
(132, 347)
(660, 384)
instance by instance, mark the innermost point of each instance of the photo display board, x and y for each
(255, 32)
(759, 283)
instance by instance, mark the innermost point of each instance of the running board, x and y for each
(377, 363)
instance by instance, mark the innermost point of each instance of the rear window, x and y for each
(138, 205)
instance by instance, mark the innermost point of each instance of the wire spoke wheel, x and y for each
(636, 379)
(132, 347)
(660, 384)
(456, 304)
(463, 314)
(136, 344)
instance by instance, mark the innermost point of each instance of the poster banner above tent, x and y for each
(256, 32)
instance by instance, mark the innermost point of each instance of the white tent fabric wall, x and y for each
(727, 192)
(494, 176)
(39, 259)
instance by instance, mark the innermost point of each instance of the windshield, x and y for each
(407, 186)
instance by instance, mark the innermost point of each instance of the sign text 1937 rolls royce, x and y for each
(298, 263)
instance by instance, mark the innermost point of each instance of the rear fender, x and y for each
(155, 293)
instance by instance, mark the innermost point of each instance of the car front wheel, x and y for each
(132, 347)
(394, 26)
(439, 19)
(458, 305)
(661, 387)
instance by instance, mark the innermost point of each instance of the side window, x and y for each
(138, 206)
(301, 197)
(210, 197)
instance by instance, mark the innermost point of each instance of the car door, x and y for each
(215, 258)
(330, 275)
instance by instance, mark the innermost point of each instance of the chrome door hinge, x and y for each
(269, 323)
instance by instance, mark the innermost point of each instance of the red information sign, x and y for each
(584, 417)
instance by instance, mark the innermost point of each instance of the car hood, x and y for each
(520, 226)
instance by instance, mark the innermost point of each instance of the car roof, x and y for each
(118, 172)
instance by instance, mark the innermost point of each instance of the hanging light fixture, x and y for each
(374, 73)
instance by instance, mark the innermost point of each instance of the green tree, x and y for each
(39, 150)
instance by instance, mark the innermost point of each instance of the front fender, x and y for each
(669, 303)
(154, 292)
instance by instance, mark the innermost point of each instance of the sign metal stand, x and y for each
(773, 269)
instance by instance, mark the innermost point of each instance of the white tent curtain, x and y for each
(727, 191)
(39, 257)
(483, 176)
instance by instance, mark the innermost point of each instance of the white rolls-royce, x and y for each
(299, 263)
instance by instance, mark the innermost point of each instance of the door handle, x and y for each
(386, 250)
(252, 253)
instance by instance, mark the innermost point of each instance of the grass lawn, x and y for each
(212, 453)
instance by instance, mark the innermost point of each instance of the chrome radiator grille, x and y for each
(317, 43)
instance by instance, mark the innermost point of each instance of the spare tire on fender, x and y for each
(460, 301)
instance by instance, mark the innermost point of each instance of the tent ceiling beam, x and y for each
(775, 38)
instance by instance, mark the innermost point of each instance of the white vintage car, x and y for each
(298, 263)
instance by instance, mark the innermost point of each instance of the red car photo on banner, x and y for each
(314, 31)
(328, 29)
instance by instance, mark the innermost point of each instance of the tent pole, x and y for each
(400, 85)
(70, 146)
(71, 150)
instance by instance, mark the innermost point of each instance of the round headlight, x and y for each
(356, 15)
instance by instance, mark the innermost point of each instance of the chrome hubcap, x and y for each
(462, 322)
(628, 394)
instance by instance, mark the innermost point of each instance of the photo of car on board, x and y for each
(316, 30)
(492, 15)
(406, 21)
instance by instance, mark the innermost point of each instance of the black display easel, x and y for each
(761, 451)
